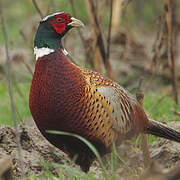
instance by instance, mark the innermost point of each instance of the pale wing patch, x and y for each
(122, 108)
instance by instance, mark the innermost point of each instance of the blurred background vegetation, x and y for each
(132, 51)
(17, 13)
(140, 57)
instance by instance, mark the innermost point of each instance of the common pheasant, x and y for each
(65, 97)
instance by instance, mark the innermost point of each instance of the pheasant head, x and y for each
(50, 31)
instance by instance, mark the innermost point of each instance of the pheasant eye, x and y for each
(59, 19)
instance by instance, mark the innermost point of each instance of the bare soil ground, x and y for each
(165, 153)
(35, 149)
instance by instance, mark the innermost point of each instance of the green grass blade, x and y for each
(91, 146)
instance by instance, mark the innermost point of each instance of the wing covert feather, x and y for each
(119, 99)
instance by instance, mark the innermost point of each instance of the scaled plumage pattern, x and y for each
(65, 97)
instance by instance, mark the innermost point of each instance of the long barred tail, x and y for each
(161, 130)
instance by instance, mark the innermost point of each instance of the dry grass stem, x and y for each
(85, 44)
(107, 62)
(37, 8)
(171, 60)
(19, 149)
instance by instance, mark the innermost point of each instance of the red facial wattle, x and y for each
(59, 22)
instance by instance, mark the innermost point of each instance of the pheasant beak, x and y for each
(75, 23)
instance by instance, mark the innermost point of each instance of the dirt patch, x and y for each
(163, 152)
(35, 149)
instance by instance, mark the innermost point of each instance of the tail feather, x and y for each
(161, 130)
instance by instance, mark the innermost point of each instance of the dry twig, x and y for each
(116, 15)
(171, 60)
(158, 43)
(37, 8)
(11, 92)
(25, 39)
(100, 49)
(145, 149)
(107, 62)
(85, 45)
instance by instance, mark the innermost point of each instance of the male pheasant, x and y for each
(65, 97)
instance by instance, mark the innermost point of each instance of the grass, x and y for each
(67, 172)
(160, 107)
(93, 149)
(64, 172)
(21, 103)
